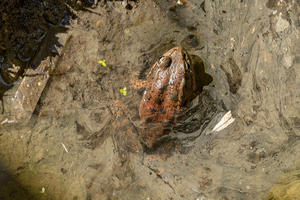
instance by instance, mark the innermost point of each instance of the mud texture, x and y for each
(81, 141)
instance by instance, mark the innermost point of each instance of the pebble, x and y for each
(281, 25)
(287, 61)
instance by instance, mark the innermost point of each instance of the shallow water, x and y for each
(81, 141)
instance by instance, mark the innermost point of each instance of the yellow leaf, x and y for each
(102, 62)
(123, 91)
(126, 31)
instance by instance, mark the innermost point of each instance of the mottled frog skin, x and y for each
(171, 84)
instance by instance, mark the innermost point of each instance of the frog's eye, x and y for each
(165, 61)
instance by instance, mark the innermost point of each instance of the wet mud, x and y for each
(82, 139)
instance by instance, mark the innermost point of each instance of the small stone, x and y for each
(79, 3)
(281, 25)
(99, 23)
(287, 61)
(127, 5)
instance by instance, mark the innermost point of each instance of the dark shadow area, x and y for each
(28, 31)
(204, 78)
(27, 36)
(10, 188)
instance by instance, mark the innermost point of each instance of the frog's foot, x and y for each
(137, 83)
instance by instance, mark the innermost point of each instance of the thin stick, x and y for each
(65, 148)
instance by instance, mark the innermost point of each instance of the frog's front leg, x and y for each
(137, 83)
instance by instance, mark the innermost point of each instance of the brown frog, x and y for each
(171, 84)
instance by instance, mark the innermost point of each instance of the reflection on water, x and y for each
(10, 188)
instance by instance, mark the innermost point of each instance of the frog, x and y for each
(172, 83)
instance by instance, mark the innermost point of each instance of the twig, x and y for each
(65, 148)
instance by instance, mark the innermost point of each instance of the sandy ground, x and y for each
(75, 146)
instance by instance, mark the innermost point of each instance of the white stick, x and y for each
(224, 119)
(65, 147)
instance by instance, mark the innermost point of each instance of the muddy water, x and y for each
(81, 141)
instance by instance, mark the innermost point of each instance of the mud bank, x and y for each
(76, 144)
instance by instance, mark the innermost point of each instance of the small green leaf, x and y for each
(42, 190)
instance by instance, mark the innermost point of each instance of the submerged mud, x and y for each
(81, 140)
